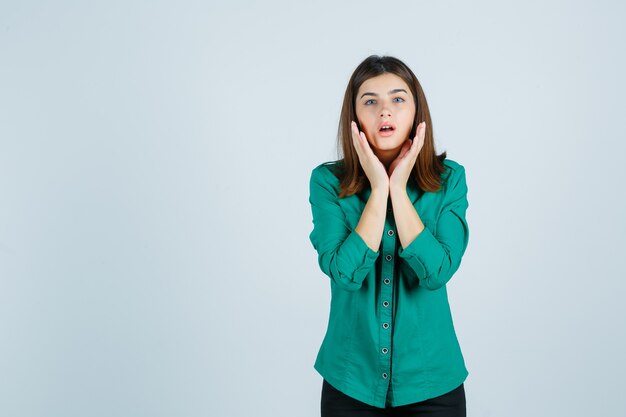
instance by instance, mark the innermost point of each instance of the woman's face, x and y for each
(385, 100)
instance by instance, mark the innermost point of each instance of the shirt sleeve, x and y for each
(435, 258)
(343, 255)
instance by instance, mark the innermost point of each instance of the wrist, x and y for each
(396, 190)
(380, 192)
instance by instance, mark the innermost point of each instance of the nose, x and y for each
(385, 111)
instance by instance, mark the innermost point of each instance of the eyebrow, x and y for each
(395, 90)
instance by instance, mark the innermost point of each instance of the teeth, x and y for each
(386, 128)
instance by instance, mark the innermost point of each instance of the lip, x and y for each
(388, 132)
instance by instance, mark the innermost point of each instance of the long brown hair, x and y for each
(428, 166)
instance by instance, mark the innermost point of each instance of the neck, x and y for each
(387, 156)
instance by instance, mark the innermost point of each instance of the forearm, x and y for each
(432, 256)
(372, 222)
(408, 223)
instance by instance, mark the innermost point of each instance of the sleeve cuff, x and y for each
(423, 254)
(356, 253)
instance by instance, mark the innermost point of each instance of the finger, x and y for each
(364, 142)
(365, 145)
(361, 144)
(420, 133)
(355, 133)
(355, 138)
(406, 148)
(416, 145)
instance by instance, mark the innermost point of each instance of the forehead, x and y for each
(381, 84)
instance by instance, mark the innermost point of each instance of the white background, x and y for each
(154, 215)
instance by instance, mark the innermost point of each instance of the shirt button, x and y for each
(386, 303)
(385, 325)
(390, 232)
(385, 375)
(385, 350)
(386, 281)
(388, 257)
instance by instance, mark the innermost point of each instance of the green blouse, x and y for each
(390, 338)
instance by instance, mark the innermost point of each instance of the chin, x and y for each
(388, 147)
(387, 144)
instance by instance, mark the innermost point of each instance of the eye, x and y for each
(399, 98)
(368, 101)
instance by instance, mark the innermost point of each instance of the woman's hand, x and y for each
(374, 169)
(401, 167)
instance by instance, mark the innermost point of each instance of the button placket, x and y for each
(386, 295)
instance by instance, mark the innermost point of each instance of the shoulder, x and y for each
(327, 172)
(453, 166)
(454, 171)
(454, 178)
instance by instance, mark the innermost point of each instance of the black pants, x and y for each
(337, 404)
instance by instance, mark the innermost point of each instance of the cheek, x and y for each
(368, 117)
(408, 118)
(364, 122)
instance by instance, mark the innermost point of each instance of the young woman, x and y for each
(389, 229)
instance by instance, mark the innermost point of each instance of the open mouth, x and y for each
(387, 129)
